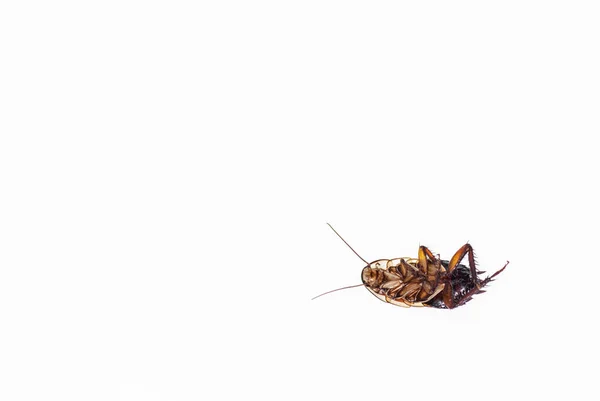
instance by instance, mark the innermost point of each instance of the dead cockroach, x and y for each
(423, 281)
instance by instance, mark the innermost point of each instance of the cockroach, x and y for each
(425, 281)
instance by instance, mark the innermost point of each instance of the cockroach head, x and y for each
(372, 277)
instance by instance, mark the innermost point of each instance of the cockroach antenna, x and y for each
(338, 289)
(356, 253)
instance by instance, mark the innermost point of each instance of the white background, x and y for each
(167, 170)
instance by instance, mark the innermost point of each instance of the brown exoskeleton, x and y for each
(425, 280)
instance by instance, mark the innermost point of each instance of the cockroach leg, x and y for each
(406, 267)
(448, 295)
(478, 289)
(490, 278)
(458, 257)
(425, 257)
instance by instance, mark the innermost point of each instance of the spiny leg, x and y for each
(478, 288)
(426, 257)
(408, 270)
(490, 278)
(448, 294)
(458, 257)
(431, 268)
